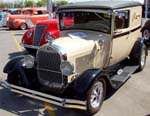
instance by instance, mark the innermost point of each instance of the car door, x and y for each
(120, 39)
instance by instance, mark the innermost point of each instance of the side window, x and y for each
(121, 19)
(38, 12)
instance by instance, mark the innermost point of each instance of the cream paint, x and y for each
(122, 46)
(77, 47)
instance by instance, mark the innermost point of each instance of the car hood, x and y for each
(75, 47)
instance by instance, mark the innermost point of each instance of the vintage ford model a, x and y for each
(101, 48)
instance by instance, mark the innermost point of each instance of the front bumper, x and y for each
(62, 102)
(29, 46)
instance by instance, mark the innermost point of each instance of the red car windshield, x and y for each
(85, 21)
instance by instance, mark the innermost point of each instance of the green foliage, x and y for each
(63, 2)
(41, 3)
(29, 3)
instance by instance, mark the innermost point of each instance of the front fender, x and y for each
(13, 64)
(84, 81)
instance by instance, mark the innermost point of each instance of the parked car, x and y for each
(1, 16)
(6, 16)
(18, 21)
(44, 31)
(146, 32)
(101, 48)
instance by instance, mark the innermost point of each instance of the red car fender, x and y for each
(18, 22)
(25, 38)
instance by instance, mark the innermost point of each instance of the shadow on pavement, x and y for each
(20, 105)
(19, 34)
(24, 106)
(148, 115)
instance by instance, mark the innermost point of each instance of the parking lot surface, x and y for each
(132, 99)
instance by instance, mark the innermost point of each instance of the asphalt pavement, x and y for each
(132, 99)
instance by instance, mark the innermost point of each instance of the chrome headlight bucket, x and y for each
(49, 37)
(29, 34)
(66, 68)
(28, 61)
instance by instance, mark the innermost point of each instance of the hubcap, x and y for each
(146, 34)
(97, 94)
(143, 58)
(23, 26)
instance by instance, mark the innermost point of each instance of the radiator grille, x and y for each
(38, 34)
(48, 62)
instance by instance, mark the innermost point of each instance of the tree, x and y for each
(63, 2)
(29, 3)
(41, 3)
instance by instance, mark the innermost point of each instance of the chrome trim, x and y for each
(29, 46)
(49, 70)
(63, 102)
(60, 50)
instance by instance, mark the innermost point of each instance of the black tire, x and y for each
(91, 108)
(23, 26)
(146, 35)
(15, 79)
(140, 59)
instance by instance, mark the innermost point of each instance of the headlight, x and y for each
(28, 61)
(49, 37)
(29, 33)
(66, 68)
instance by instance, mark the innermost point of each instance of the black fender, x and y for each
(16, 64)
(137, 48)
(84, 81)
(13, 64)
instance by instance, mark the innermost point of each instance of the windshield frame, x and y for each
(109, 11)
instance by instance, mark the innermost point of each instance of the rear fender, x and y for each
(137, 48)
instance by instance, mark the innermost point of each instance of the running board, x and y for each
(62, 102)
(122, 75)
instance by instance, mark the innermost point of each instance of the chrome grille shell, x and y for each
(48, 67)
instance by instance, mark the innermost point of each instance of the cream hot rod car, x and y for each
(101, 48)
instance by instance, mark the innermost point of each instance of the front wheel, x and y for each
(95, 96)
(15, 79)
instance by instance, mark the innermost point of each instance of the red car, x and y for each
(44, 31)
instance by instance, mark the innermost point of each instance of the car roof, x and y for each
(102, 4)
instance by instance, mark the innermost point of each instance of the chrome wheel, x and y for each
(97, 95)
(146, 34)
(23, 26)
(143, 58)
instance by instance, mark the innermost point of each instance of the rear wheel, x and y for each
(95, 96)
(140, 58)
(23, 26)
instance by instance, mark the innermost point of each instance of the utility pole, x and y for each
(146, 8)
(49, 6)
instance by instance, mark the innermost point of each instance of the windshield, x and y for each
(85, 21)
